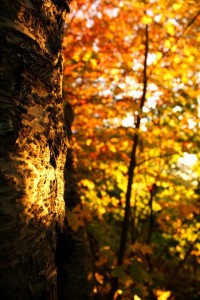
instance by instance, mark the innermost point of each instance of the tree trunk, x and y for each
(75, 260)
(32, 147)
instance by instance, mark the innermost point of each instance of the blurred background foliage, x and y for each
(106, 78)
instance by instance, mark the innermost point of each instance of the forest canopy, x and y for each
(131, 75)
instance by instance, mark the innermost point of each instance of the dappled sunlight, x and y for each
(44, 183)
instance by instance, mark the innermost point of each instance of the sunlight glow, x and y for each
(128, 121)
(188, 159)
(185, 164)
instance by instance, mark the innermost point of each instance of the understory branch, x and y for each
(131, 169)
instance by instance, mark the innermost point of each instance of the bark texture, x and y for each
(32, 146)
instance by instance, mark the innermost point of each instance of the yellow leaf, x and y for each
(86, 57)
(177, 59)
(167, 44)
(88, 142)
(114, 71)
(170, 29)
(173, 48)
(102, 210)
(167, 76)
(163, 295)
(123, 168)
(176, 6)
(113, 149)
(184, 78)
(191, 58)
(146, 20)
(88, 183)
(76, 56)
(159, 55)
(93, 62)
(156, 206)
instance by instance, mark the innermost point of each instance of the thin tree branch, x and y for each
(177, 39)
(181, 263)
(132, 166)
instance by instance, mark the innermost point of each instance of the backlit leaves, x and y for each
(104, 80)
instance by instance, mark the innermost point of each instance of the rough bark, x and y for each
(32, 147)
